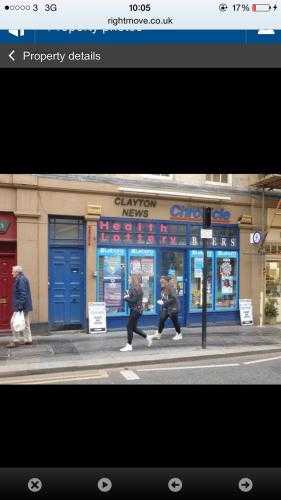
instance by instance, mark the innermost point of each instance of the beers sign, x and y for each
(135, 207)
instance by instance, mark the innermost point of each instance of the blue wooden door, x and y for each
(66, 287)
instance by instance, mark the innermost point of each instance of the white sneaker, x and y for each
(149, 340)
(127, 347)
(178, 336)
(156, 336)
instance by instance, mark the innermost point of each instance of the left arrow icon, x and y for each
(11, 56)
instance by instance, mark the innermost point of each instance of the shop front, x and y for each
(273, 275)
(172, 248)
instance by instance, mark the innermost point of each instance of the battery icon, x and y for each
(261, 7)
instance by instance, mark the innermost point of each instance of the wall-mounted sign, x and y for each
(4, 226)
(94, 209)
(140, 233)
(245, 219)
(97, 317)
(120, 232)
(246, 311)
(255, 238)
(135, 207)
(206, 234)
(181, 212)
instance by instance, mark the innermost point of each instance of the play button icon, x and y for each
(104, 484)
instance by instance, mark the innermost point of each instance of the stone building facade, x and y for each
(79, 236)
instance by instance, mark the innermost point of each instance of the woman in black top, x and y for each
(169, 308)
(134, 299)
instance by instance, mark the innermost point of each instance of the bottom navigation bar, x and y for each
(191, 483)
(141, 56)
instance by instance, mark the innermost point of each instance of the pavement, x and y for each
(73, 350)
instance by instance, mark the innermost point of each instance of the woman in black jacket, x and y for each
(169, 308)
(134, 299)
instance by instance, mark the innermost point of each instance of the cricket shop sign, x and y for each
(195, 214)
(135, 207)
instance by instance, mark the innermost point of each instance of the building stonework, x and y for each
(74, 232)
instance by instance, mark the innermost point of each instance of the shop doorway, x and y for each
(172, 264)
(273, 284)
(66, 288)
(7, 261)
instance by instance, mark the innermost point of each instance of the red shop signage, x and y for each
(142, 233)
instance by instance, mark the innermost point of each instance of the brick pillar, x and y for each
(91, 250)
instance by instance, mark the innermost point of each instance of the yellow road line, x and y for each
(39, 379)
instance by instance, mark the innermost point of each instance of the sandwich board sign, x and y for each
(246, 311)
(97, 317)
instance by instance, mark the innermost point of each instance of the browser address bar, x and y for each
(138, 15)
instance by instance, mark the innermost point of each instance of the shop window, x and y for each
(273, 279)
(115, 265)
(144, 262)
(196, 280)
(172, 265)
(111, 279)
(64, 229)
(226, 280)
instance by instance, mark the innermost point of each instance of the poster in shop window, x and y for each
(147, 267)
(135, 266)
(112, 294)
(198, 267)
(112, 267)
(97, 317)
(227, 285)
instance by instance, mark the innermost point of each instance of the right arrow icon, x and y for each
(245, 484)
(11, 56)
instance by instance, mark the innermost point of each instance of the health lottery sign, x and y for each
(195, 214)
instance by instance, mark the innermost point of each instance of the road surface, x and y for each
(254, 369)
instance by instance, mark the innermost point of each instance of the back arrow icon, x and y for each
(11, 56)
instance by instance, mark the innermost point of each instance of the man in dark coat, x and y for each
(22, 301)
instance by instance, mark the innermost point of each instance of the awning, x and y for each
(271, 181)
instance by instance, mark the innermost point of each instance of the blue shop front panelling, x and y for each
(126, 246)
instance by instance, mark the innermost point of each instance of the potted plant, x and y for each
(271, 311)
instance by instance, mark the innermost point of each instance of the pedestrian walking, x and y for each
(134, 298)
(22, 301)
(169, 308)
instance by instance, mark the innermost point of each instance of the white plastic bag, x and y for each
(19, 321)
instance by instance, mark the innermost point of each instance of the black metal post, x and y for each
(207, 222)
(204, 301)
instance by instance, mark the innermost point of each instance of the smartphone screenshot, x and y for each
(139, 311)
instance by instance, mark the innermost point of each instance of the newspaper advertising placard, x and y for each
(246, 311)
(97, 317)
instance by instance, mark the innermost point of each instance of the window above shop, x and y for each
(219, 179)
